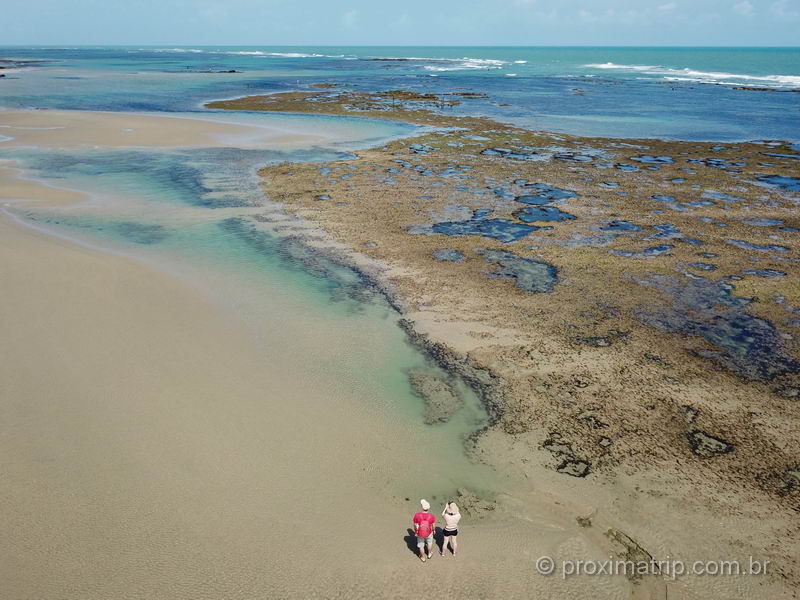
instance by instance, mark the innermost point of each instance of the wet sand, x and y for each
(153, 448)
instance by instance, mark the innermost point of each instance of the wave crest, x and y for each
(697, 76)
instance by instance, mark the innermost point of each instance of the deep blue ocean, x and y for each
(680, 93)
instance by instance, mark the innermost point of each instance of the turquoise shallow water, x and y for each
(685, 93)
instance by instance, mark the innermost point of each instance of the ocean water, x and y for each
(683, 93)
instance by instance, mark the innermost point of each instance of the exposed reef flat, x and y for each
(609, 288)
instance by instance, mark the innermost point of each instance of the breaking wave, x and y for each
(704, 76)
(444, 64)
(243, 53)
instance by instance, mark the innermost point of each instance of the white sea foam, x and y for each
(782, 80)
(294, 55)
(183, 50)
(433, 64)
(461, 64)
(610, 65)
(244, 52)
(520, 62)
(693, 75)
(280, 54)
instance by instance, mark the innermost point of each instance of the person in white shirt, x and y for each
(451, 517)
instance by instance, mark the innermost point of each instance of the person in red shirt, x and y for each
(423, 527)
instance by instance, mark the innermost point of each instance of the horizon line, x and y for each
(327, 45)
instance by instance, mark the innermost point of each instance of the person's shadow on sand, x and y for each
(411, 540)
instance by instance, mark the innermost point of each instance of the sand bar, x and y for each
(85, 129)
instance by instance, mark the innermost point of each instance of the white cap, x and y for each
(425, 504)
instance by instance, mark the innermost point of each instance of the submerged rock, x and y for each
(341, 280)
(653, 160)
(441, 400)
(421, 148)
(718, 163)
(705, 445)
(620, 226)
(473, 505)
(664, 198)
(528, 274)
(500, 229)
(782, 155)
(502, 192)
(574, 468)
(702, 266)
(555, 446)
(745, 245)
(788, 391)
(448, 255)
(570, 465)
(575, 157)
(544, 194)
(579, 240)
(766, 273)
(531, 214)
(666, 231)
(514, 154)
(651, 252)
(751, 347)
(719, 196)
(784, 182)
(763, 222)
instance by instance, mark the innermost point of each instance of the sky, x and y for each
(404, 23)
